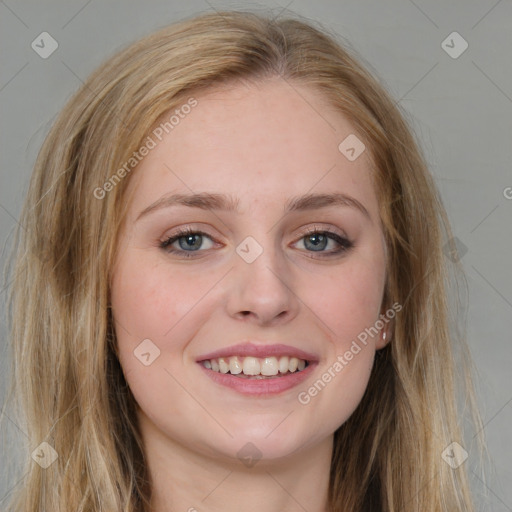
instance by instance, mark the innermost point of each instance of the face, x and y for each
(272, 271)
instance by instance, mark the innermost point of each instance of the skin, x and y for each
(261, 143)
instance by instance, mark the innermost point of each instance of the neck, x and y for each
(184, 479)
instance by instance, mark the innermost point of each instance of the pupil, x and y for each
(190, 239)
(320, 239)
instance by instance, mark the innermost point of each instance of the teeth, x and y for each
(223, 365)
(270, 366)
(235, 365)
(253, 366)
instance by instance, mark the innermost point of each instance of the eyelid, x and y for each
(182, 231)
(316, 228)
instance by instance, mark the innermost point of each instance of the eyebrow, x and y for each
(211, 201)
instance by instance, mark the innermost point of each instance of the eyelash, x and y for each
(345, 244)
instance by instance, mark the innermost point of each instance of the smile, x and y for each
(254, 367)
(257, 384)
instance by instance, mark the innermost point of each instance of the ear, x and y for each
(386, 332)
(384, 337)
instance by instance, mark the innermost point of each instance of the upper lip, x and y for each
(259, 350)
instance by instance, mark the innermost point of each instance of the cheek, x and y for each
(149, 304)
(147, 300)
(348, 307)
(351, 300)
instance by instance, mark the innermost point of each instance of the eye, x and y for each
(316, 240)
(187, 239)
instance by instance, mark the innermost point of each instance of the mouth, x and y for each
(256, 368)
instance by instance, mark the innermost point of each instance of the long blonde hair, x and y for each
(66, 376)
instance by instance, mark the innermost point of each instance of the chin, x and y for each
(267, 442)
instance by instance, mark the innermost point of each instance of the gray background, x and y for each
(460, 108)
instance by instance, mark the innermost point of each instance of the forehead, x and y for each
(260, 142)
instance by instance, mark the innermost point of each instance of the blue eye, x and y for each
(191, 241)
(187, 239)
(319, 239)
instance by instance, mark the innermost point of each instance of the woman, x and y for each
(188, 349)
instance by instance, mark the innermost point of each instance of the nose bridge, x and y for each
(261, 278)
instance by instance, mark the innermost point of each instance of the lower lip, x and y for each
(260, 386)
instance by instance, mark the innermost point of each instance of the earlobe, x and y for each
(384, 339)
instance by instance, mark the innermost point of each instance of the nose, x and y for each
(262, 291)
